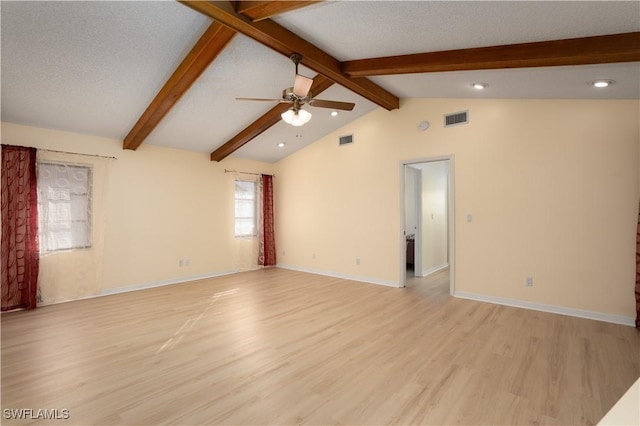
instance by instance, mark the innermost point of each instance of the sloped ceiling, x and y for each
(93, 67)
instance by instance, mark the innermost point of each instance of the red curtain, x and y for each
(19, 248)
(638, 273)
(267, 232)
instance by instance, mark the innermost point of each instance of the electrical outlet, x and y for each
(187, 262)
(283, 252)
(313, 256)
(357, 260)
(528, 281)
(181, 263)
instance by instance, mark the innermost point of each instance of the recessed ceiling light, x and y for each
(479, 86)
(281, 144)
(601, 83)
(334, 113)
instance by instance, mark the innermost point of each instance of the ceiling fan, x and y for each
(300, 94)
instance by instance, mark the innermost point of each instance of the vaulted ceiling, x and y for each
(168, 73)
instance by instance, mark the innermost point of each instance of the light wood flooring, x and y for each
(283, 347)
(435, 284)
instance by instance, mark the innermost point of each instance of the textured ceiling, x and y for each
(93, 67)
(365, 29)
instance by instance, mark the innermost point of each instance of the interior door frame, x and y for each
(417, 254)
(450, 219)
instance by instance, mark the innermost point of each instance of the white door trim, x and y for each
(451, 217)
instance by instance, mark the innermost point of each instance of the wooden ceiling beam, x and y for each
(604, 49)
(270, 118)
(212, 42)
(259, 10)
(286, 42)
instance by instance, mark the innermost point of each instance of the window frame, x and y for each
(254, 200)
(89, 201)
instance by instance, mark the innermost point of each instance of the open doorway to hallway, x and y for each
(427, 237)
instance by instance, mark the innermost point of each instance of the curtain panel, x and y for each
(19, 247)
(267, 253)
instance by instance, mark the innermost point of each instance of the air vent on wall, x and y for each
(456, 118)
(345, 140)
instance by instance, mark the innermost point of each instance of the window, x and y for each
(64, 206)
(245, 208)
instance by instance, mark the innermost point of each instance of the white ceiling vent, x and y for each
(345, 140)
(456, 118)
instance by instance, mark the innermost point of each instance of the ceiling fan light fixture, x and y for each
(296, 118)
(334, 113)
(479, 86)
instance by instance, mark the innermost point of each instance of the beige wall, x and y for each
(152, 207)
(552, 186)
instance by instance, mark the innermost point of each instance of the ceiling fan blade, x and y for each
(302, 85)
(263, 99)
(321, 103)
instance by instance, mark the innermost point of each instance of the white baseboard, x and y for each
(553, 309)
(162, 283)
(368, 280)
(135, 287)
(433, 270)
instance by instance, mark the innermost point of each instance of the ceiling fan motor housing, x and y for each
(287, 94)
(296, 58)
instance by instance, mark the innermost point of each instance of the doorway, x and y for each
(427, 243)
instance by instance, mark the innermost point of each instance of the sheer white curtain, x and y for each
(64, 205)
(73, 199)
(244, 245)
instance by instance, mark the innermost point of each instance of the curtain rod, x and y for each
(68, 152)
(247, 173)
(78, 153)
